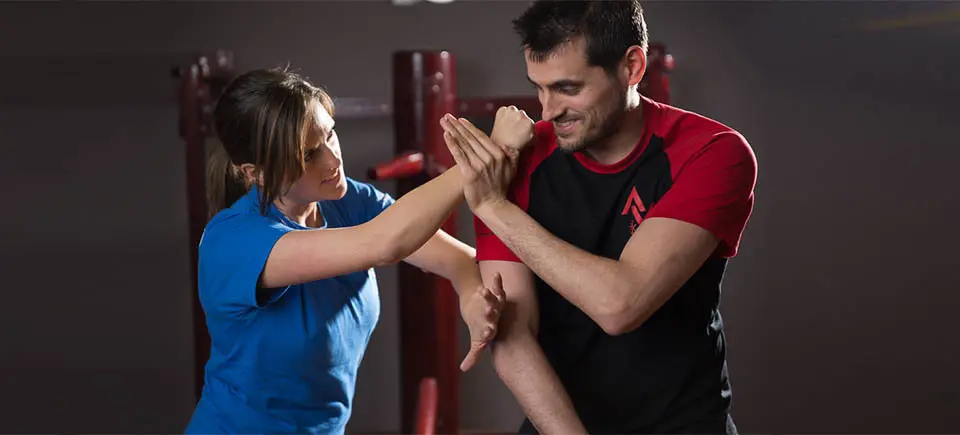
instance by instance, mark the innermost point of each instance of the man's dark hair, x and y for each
(608, 27)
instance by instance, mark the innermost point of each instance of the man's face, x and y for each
(584, 103)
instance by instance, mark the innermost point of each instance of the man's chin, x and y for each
(571, 146)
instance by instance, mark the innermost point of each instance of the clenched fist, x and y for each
(512, 129)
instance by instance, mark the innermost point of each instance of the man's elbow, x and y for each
(621, 316)
(621, 323)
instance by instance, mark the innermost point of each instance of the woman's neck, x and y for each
(307, 214)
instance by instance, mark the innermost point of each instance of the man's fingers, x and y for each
(457, 152)
(464, 142)
(482, 139)
(476, 142)
(457, 145)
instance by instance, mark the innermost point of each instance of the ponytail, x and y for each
(225, 182)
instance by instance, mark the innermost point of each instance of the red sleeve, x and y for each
(489, 246)
(714, 190)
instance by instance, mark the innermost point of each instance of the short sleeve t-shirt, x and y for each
(287, 361)
(669, 374)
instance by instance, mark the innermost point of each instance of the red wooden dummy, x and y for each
(201, 83)
(424, 90)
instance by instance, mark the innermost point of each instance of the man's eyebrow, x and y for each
(559, 83)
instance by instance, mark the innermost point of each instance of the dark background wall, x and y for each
(840, 309)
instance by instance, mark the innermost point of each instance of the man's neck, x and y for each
(622, 142)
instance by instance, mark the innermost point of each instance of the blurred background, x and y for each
(840, 308)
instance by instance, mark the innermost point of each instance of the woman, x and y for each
(286, 262)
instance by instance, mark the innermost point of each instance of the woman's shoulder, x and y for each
(360, 188)
(241, 221)
(364, 200)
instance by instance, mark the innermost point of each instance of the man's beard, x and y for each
(586, 140)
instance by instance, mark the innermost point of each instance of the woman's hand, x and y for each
(481, 309)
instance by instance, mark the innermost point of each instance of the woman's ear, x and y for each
(251, 175)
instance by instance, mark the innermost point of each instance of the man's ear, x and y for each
(634, 65)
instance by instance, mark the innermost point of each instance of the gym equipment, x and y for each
(201, 84)
(424, 90)
(424, 86)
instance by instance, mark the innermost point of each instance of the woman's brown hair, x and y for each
(261, 118)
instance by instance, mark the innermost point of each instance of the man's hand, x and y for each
(481, 311)
(487, 170)
(512, 129)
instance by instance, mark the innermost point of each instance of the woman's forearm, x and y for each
(447, 257)
(415, 217)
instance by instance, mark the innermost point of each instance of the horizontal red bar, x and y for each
(489, 106)
(361, 108)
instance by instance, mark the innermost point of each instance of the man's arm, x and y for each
(517, 356)
(708, 205)
(619, 295)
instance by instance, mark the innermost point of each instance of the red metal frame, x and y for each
(429, 314)
(424, 90)
(201, 83)
(427, 408)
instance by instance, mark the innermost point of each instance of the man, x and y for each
(613, 237)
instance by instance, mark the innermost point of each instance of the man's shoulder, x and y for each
(686, 133)
(678, 123)
(543, 144)
(544, 141)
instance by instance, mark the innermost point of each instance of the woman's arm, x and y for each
(303, 256)
(480, 306)
(449, 258)
(401, 229)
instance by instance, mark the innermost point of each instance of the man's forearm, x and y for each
(590, 282)
(524, 369)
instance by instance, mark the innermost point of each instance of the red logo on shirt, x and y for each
(634, 205)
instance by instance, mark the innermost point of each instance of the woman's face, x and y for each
(323, 177)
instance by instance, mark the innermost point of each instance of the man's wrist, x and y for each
(490, 209)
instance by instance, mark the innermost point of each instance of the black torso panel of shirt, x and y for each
(668, 375)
